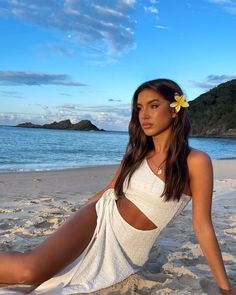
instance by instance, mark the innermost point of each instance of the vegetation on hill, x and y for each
(214, 112)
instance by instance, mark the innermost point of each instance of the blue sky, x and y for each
(80, 59)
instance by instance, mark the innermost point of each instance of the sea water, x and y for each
(28, 149)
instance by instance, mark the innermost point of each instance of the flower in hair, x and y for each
(180, 102)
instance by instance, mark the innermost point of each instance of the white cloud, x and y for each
(65, 94)
(151, 9)
(161, 27)
(70, 106)
(106, 11)
(102, 117)
(105, 26)
(129, 2)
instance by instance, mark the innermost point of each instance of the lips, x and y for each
(147, 125)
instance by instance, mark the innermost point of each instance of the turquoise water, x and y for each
(23, 149)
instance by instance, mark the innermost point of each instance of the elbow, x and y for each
(29, 276)
(29, 273)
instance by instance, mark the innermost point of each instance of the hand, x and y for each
(231, 291)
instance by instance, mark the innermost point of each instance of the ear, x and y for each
(174, 113)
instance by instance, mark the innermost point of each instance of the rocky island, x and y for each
(83, 125)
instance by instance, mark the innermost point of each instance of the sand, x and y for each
(33, 204)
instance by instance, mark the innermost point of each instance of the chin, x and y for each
(150, 132)
(153, 133)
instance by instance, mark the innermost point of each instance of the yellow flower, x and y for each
(180, 102)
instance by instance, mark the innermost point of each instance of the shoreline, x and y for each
(229, 136)
(226, 158)
(59, 169)
(218, 164)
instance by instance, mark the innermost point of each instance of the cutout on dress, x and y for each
(149, 224)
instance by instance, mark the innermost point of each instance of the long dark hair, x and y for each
(176, 172)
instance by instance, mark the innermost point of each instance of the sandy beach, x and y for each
(33, 204)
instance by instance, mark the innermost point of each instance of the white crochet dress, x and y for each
(116, 249)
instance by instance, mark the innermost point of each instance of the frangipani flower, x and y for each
(180, 102)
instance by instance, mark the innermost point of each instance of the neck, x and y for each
(161, 143)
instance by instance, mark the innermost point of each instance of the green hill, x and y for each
(214, 112)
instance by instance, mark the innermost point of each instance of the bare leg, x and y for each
(56, 252)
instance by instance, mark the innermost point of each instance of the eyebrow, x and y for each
(149, 102)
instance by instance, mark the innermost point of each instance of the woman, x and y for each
(110, 237)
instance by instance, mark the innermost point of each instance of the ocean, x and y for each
(26, 149)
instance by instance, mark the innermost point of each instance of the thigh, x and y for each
(64, 245)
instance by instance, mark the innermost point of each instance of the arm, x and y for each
(201, 185)
(57, 251)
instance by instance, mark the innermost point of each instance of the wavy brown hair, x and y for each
(176, 172)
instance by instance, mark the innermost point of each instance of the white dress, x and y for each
(116, 249)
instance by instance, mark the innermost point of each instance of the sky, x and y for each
(80, 59)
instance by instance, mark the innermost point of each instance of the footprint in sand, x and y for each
(5, 210)
(228, 257)
(42, 224)
(231, 231)
(48, 222)
(170, 268)
(7, 223)
(233, 218)
(36, 179)
(55, 221)
(46, 199)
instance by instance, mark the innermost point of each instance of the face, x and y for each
(155, 114)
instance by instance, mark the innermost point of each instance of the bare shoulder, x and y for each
(198, 159)
(200, 174)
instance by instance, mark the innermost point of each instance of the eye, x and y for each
(154, 106)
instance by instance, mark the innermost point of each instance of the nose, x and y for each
(145, 114)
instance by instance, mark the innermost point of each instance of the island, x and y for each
(83, 125)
